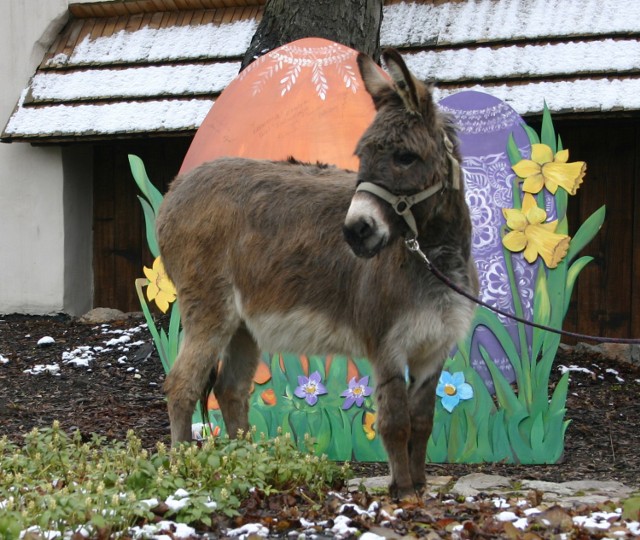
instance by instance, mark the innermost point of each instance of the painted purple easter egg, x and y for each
(484, 126)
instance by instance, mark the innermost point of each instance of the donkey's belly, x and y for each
(303, 331)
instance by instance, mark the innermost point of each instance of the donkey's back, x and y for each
(258, 245)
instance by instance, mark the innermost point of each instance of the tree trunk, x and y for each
(355, 23)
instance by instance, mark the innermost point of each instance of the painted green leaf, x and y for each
(257, 419)
(437, 446)
(322, 433)
(532, 134)
(504, 393)
(174, 332)
(586, 232)
(490, 320)
(572, 274)
(521, 447)
(150, 227)
(470, 450)
(547, 132)
(341, 441)
(537, 436)
(512, 150)
(162, 352)
(559, 397)
(337, 376)
(457, 435)
(277, 376)
(292, 368)
(363, 448)
(148, 189)
(499, 438)
(541, 311)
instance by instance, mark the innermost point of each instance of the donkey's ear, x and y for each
(411, 90)
(374, 81)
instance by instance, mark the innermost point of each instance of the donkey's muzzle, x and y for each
(365, 229)
(362, 239)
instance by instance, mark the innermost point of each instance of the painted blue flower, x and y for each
(309, 388)
(357, 391)
(452, 388)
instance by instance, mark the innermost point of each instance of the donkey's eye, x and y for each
(405, 159)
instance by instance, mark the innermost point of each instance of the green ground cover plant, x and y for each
(56, 482)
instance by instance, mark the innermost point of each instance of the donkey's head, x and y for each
(405, 158)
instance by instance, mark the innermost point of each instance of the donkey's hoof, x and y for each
(406, 495)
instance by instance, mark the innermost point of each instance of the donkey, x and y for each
(257, 252)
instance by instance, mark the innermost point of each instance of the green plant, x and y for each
(61, 483)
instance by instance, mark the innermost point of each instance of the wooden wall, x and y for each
(606, 300)
(119, 243)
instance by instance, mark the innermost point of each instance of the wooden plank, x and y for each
(635, 282)
(156, 20)
(121, 24)
(601, 303)
(120, 249)
(72, 39)
(109, 27)
(207, 16)
(197, 17)
(134, 22)
(103, 227)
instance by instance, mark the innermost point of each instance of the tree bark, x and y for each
(355, 23)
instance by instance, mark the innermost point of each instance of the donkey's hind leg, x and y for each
(234, 381)
(194, 368)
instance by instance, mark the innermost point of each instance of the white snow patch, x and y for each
(52, 369)
(177, 530)
(469, 21)
(597, 520)
(3, 359)
(527, 61)
(248, 530)
(46, 340)
(563, 369)
(108, 118)
(562, 96)
(341, 527)
(615, 374)
(145, 81)
(163, 44)
(506, 516)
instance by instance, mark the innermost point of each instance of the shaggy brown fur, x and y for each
(257, 252)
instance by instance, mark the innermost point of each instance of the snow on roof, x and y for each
(582, 95)
(469, 21)
(530, 61)
(125, 117)
(162, 44)
(182, 79)
(579, 56)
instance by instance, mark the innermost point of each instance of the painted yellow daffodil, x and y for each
(546, 170)
(160, 287)
(369, 420)
(530, 233)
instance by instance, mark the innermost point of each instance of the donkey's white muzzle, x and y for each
(365, 229)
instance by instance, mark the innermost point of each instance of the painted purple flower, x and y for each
(356, 392)
(309, 388)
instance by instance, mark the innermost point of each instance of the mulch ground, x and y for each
(122, 389)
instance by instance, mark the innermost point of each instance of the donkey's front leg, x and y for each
(422, 394)
(395, 428)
